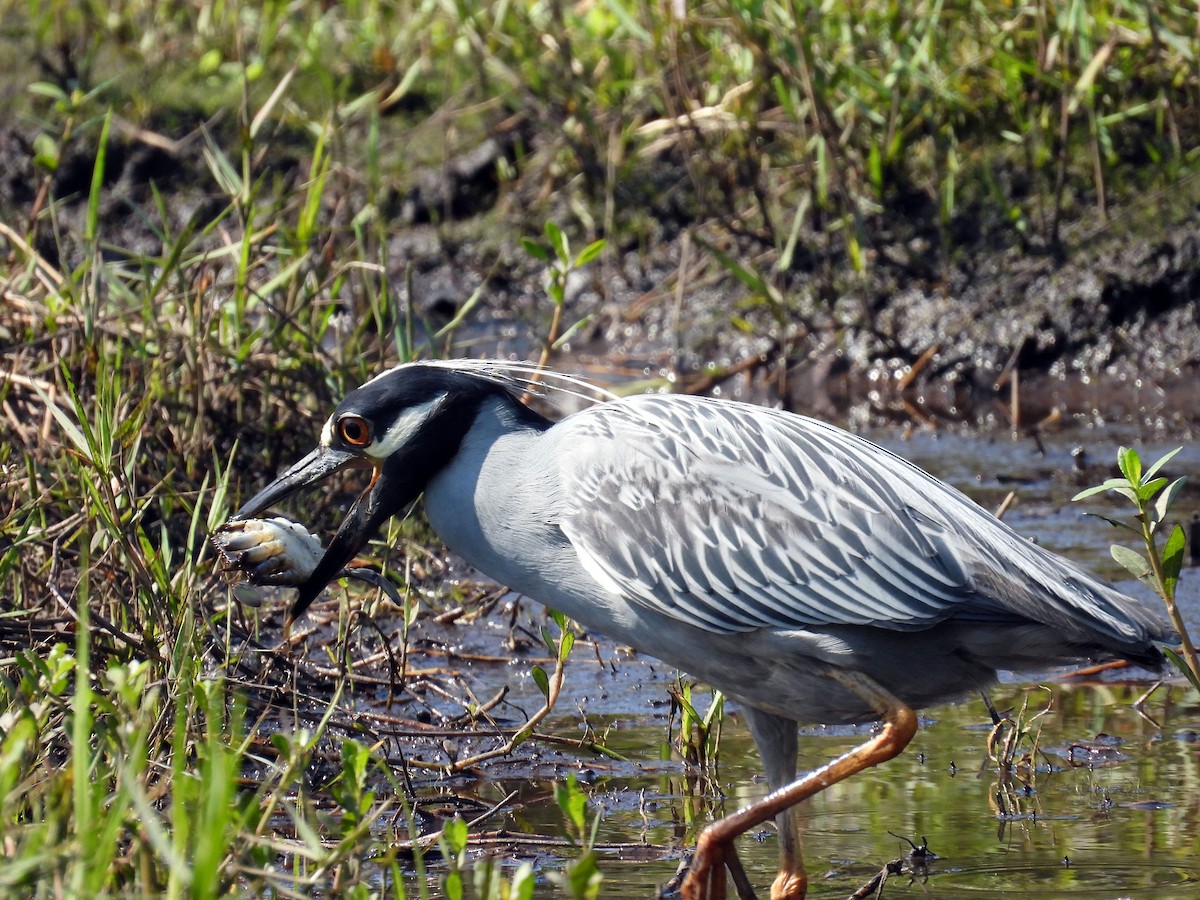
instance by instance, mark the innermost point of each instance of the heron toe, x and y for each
(789, 885)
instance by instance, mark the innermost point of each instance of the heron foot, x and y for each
(706, 875)
(715, 857)
(789, 884)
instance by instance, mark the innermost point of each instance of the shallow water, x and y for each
(1126, 828)
(1111, 807)
(1122, 819)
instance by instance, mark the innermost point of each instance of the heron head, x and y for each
(404, 425)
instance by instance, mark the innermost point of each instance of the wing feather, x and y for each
(736, 517)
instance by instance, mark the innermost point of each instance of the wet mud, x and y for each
(1089, 343)
(944, 319)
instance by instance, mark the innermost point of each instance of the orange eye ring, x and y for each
(354, 430)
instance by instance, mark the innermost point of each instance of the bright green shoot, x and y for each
(561, 264)
(453, 844)
(1152, 495)
(558, 256)
(699, 733)
(582, 877)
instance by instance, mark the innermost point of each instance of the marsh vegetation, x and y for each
(958, 223)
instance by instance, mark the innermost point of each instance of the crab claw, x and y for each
(269, 551)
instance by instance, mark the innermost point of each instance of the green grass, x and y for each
(786, 115)
(145, 383)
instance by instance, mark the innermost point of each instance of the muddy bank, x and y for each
(1103, 324)
(1107, 330)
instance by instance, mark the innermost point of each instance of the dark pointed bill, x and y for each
(355, 528)
(390, 489)
(317, 466)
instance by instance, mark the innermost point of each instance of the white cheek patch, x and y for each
(402, 430)
(327, 433)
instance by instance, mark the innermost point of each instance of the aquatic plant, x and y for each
(1152, 495)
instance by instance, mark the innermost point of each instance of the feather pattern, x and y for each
(516, 377)
(736, 518)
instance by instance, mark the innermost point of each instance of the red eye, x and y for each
(354, 430)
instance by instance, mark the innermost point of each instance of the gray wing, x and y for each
(737, 517)
(734, 517)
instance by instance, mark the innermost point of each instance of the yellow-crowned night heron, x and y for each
(808, 573)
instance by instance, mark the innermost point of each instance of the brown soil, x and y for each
(935, 326)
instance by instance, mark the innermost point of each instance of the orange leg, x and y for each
(706, 879)
(1097, 669)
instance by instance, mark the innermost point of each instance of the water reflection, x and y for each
(1128, 828)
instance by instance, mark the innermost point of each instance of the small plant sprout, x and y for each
(581, 878)
(1012, 733)
(1152, 494)
(699, 733)
(453, 843)
(550, 684)
(561, 265)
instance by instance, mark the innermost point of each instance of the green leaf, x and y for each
(534, 249)
(1111, 484)
(1172, 560)
(715, 709)
(1161, 462)
(584, 877)
(522, 883)
(572, 801)
(745, 326)
(92, 218)
(1130, 464)
(48, 90)
(454, 833)
(542, 680)
(1128, 493)
(282, 747)
(558, 243)
(1148, 489)
(73, 431)
(746, 276)
(565, 645)
(1134, 562)
(1162, 505)
(875, 167)
(354, 763)
(1090, 492)
(854, 249)
(590, 252)
(685, 703)
(46, 152)
(1115, 523)
(572, 331)
(1182, 666)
